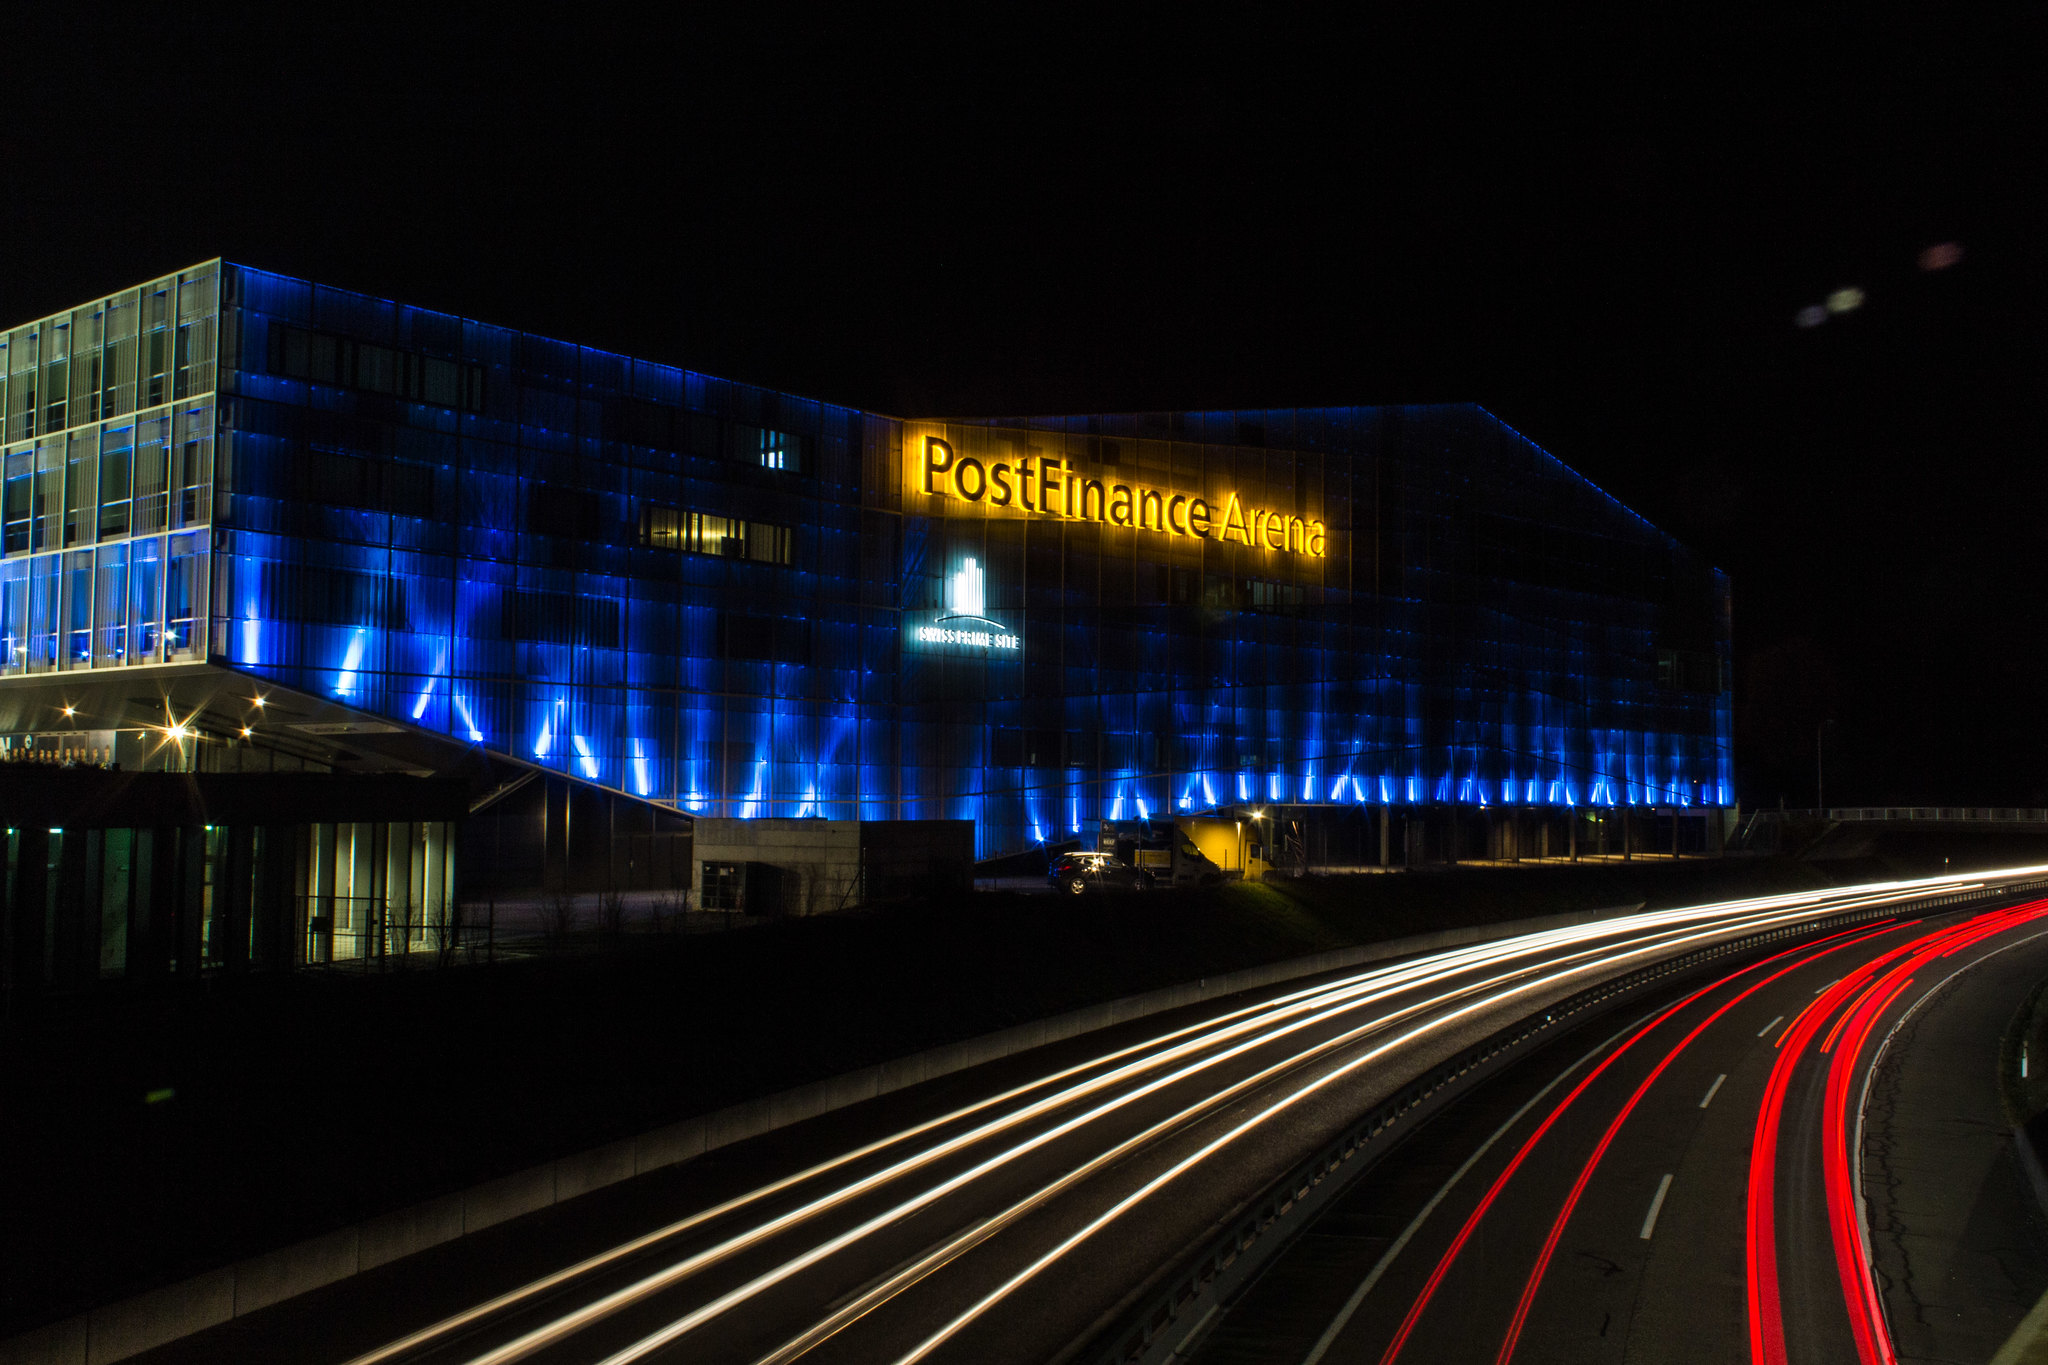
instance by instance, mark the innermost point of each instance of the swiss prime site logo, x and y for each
(966, 621)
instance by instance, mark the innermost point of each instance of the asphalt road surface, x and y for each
(1685, 1184)
(1006, 1214)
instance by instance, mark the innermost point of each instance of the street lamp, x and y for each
(1820, 789)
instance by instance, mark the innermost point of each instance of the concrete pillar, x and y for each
(191, 904)
(73, 951)
(233, 882)
(1385, 846)
(279, 941)
(31, 892)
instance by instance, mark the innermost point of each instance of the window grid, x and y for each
(109, 418)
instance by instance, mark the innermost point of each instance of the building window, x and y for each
(771, 449)
(1686, 670)
(1025, 748)
(1280, 597)
(322, 359)
(17, 499)
(707, 533)
(766, 639)
(724, 886)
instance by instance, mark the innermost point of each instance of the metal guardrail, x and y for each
(1992, 815)
(1141, 1329)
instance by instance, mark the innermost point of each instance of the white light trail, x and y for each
(733, 1298)
(1242, 1028)
(671, 1275)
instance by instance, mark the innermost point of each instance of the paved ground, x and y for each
(1960, 1241)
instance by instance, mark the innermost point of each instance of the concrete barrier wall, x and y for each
(146, 1321)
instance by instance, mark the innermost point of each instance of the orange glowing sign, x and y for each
(1049, 485)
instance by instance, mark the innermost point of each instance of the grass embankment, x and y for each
(300, 1103)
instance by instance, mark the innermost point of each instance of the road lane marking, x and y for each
(1712, 1088)
(1372, 987)
(1351, 1305)
(1829, 984)
(951, 1329)
(1557, 1226)
(1768, 1027)
(1657, 1205)
(1678, 926)
(546, 1335)
(1833, 943)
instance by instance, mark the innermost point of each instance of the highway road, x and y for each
(1685, 1185)
(1020, 1213)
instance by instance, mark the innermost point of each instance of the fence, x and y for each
(368, 928)
(1994, 815)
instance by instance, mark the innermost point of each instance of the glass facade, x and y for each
(107, 487)
(149, 901)
(741, 603)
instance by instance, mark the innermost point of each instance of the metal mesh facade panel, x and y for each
(746, 604)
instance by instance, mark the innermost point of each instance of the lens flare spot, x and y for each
(1941, 255)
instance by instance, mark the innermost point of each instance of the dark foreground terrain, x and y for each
(149, 1136)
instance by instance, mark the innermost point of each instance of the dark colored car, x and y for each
(1075, 874)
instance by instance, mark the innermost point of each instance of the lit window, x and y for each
(772, 449)
(707, 533)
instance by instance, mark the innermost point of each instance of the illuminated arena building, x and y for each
(256, 523)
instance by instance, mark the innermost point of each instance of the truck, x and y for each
(1164, 849)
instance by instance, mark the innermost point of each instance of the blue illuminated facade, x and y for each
(741, 603)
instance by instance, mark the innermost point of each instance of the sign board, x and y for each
(1059, 487)
(965, 627)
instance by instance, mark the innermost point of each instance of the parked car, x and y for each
(1076, 874)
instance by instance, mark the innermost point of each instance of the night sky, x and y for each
(1605, 235)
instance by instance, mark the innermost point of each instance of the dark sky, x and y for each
(1603, 234)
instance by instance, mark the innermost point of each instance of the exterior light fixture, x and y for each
(245, 732)
(70, 711)
(257, 701)
(177, 732)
